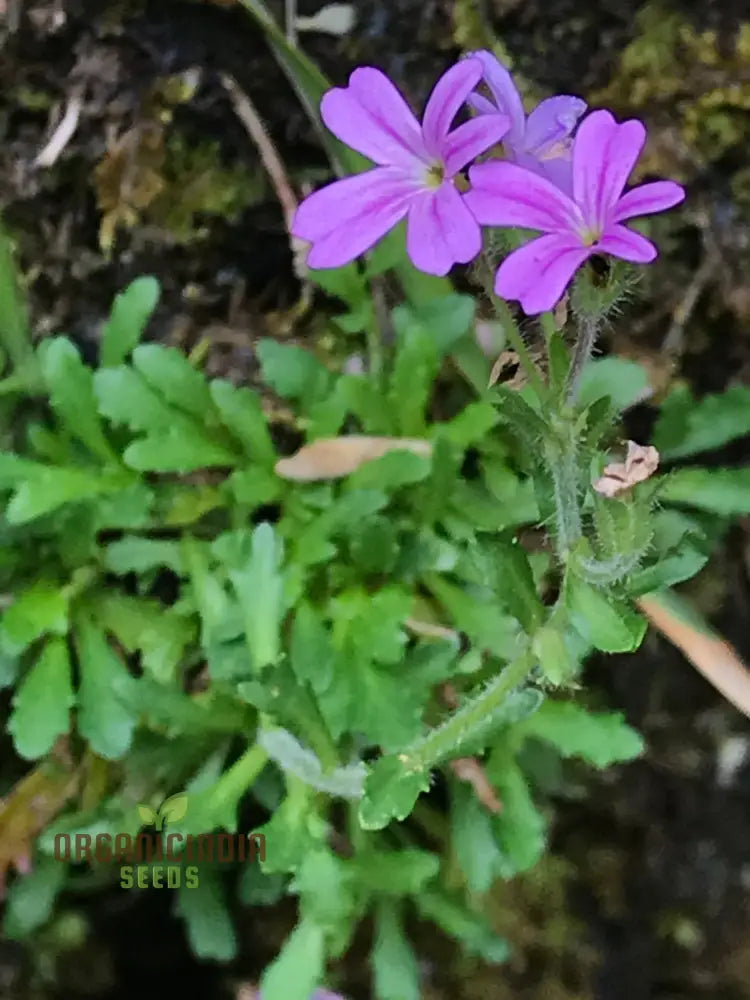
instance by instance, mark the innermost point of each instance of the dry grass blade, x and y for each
(273, 165)
(709, 653)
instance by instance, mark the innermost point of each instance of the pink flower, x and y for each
(577, 227)
(540, 141)
(414, 177)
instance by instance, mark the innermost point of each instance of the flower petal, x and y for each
(506, 194)
(626, 244)
(482, 105)
(441, 231)
(347, 217)
(505, 92)
(471, 139)
(447, 96)
(550, 122)
(537, 274)
(647, 199)
(604, 154)
(371, 116)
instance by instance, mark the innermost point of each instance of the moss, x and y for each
(198, 184)
(687, 77)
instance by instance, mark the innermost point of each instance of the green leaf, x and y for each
(104, 717)
(31, 899)
(444, 320)
(471, 929)
(204, 910)
(124, 397)
(131, 312)
(606, 623)
(505, 569)
(396, 873)
(242, 413)
(390, 793)
(688, 427)
(42, 608)
(675, 567)
(169, 372)
(254, 486)
(476, 612)
(722, 491)
(414, 372)
(471, 425)
(374, 548)
(390, 472)
(41, 705)
(298, 969)
(520, 828)
(49, 488)
(600, 738)
(394, 964)
(9, 667)
(311, 650)
(218, 613)
(625, 382)
(140, 624)
(555, 658)
(255, 888)
(71, 387)
(259, 586)
(473, 838)
(293, 372)
(175, 451)
(324, 882)
(135, 554)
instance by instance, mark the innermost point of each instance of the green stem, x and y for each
(242, 774)
(563, 464)
(584, 346)
(375, 352)
(447, 740)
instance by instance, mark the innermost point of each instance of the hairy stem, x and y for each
(447, 740)
(563, 464)
(589, 329)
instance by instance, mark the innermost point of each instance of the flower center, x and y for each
(590, 236)
(435, 175)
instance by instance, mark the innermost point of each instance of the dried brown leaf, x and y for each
(28, 808)
(507, 369)
(640, 463)
(333, 458)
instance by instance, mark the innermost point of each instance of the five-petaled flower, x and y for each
(541, 142)
(414, 177)
(576, 227)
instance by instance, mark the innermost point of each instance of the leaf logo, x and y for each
(172, 809)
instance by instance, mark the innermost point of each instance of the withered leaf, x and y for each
(640, 463)
(333, 458)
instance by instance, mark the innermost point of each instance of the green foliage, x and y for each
(191, 628)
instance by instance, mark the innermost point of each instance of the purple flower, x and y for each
(577, 227)
(414, 177)
(540, 142)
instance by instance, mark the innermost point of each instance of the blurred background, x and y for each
(123, 151)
